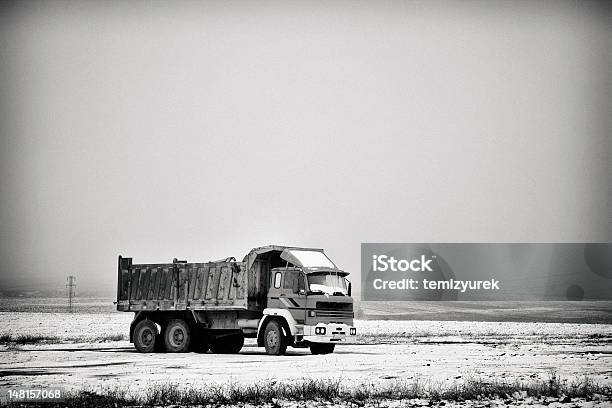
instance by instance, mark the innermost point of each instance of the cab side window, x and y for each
(277, 279)
(291, 277)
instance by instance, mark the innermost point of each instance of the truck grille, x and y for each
(335, 314)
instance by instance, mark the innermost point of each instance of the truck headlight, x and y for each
(320, 330)
(353, 331)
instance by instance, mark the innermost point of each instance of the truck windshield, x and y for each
(312, 259)
(327, 282)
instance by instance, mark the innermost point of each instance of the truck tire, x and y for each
(177, 336)
(228, 345)
(321, 348)
(274, 340)
(145, 336)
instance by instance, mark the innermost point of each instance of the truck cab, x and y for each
(311, 298)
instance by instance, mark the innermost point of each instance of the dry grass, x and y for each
(336, 391)
(485, 338)
(112, 337)
(22, 339)
(11, 340)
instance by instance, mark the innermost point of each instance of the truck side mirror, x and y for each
(348, 289)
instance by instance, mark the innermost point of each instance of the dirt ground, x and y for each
(431, 352)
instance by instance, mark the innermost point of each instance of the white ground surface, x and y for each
(429, 351)
(82, 365)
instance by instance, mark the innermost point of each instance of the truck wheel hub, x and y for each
(272, 339)
(178, 336)
(147, 336)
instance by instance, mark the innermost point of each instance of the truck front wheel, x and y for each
(274, 340)
(145, 336)
(177, 336)
(321, 348)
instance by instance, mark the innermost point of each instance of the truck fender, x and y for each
(280, 314)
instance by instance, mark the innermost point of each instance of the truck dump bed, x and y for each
(180, 286)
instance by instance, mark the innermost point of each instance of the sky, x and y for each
(200, 130)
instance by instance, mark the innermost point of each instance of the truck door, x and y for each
(290, 287)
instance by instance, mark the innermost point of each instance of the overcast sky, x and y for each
(200, 130)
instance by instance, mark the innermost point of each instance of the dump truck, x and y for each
(281, 296)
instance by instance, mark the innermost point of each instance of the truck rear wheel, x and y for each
(145, 336)
(321, 348)
(274, 340)
(177, 336)
(228, 345)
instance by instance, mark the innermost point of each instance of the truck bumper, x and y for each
(327, 333)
